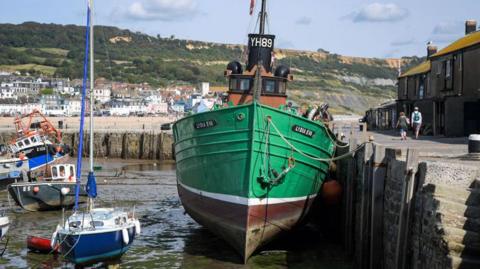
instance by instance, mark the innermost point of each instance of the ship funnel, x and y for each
(260, 49)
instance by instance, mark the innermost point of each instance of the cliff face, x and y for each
(349, 84)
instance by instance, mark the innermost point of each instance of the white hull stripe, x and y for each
(243, 200)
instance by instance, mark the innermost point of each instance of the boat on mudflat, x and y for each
(250, 170)
(53, 193)
(12, 170)
(39, 143)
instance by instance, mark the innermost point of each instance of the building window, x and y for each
(448, 74)
(421, 86)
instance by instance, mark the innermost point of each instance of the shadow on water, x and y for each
(304, 247)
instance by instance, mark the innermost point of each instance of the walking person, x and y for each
(403, 123)
(416, 122)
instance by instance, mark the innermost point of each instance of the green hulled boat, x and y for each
(251, 170)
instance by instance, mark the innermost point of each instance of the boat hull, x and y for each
(95, 247)
(43, 196)
(4, 225)
(12, 170)
(229, 167)
(244, 227)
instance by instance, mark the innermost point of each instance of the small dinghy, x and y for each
(96, 234)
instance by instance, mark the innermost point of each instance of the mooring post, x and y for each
(406, 208)
(379, 172)
(364, 131)
(364, 231)
(349, 206)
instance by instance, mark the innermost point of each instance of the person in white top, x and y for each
(416, 121)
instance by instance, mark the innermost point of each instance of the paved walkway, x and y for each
(427, 145)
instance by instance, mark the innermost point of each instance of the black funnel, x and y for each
(260, 49)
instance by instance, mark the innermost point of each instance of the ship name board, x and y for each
(205, 124)
(302, 130)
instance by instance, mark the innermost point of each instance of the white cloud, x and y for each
(378, 12)
(304, 21)
(403, 42)
(159, 10)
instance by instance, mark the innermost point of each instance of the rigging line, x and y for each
(348, 154)
(245, 40)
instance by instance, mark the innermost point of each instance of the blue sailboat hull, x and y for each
(96, 247)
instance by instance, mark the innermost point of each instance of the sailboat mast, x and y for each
(92, 86)
(263, 13)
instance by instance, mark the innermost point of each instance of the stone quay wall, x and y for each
(148, 145)
(401, 211)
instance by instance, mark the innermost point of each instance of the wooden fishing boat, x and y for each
(250, 170)
(53, 193)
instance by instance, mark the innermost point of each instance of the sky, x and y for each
(382, 29)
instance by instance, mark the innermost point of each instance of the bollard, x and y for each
(474, 143)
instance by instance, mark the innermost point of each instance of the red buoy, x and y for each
(36, 189)
(40, 244)
(332, 192)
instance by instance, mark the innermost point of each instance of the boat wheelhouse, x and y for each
(52, 193)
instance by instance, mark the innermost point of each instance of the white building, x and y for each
(102, 95)
(204, 88)
(14, 109)
(160, 108)
(7, 93)
(73, 107)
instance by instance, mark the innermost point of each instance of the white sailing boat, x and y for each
(96, 234)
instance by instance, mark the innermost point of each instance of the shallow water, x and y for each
(169, 238)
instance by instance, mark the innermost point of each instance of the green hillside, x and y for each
(348, 83)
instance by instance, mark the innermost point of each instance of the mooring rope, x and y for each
(348, 154)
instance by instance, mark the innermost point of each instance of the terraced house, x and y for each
(446, 87)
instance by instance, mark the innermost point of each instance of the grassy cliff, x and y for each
(349, 84)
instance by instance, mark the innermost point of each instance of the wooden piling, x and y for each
(349, 190)
(378, 174)
(363, 256)
(406, 208)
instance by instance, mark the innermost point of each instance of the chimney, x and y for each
(431, 49)
(470, 26)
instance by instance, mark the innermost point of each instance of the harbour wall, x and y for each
(402, 211)
(148, 145)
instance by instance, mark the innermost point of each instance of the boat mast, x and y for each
(82, 111)
(92, 85)
(92, 98)
(263, 13)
